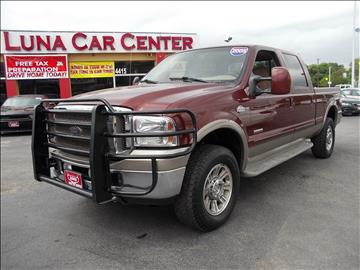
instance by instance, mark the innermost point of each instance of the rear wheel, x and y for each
(209, 190)
(325, 140)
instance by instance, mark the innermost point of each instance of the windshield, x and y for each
(355, 92)
(208, 65)
(22, 101)
(351, 92)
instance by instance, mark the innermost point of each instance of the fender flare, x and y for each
(332, 103)
(228, 124)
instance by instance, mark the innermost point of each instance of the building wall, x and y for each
(64, 84)
(112, 57)
(129, 53)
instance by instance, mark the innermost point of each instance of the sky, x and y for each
(313, 29)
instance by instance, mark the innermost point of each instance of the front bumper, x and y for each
(149, 174)
(350, 109)
(135, 172)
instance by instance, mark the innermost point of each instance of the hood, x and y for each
(155, 96)
(7, 110)
(352, 99)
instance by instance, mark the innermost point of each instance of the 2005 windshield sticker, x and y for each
(238, 51)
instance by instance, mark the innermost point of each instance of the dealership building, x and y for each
(62, 64)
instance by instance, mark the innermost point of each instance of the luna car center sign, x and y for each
(23, 67)
(91, 42)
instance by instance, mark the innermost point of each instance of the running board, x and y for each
(263, 162)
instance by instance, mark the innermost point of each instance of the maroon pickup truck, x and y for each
(187, 132)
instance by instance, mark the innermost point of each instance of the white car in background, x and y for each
(343, 86)
(351, 93)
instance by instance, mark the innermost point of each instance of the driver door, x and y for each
(269, 123)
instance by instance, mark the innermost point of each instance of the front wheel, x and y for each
(210, 188)
(324, 141)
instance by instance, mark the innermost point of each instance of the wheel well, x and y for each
(332, 113)
(228, 138)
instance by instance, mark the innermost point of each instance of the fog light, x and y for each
(67, 166)
(117, 179)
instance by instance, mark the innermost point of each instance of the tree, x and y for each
(320, 74)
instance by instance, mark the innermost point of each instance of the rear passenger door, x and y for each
(302, 97)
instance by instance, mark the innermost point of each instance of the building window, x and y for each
(79, 86)
(126, 71)
(48, 87)
(125, 80)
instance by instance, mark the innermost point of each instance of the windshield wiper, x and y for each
(187, 79)
(149, 81)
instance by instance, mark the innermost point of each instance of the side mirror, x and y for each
(280, 81)
(136, 80)
(254, 80)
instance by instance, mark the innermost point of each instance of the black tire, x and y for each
(189, 206)
(320, 149)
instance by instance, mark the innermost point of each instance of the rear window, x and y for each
(296, 71)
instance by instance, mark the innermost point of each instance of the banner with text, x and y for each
(26, 42)
(26, 67)
(102, 69)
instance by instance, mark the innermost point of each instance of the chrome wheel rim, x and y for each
(217, 189)
(329, 138)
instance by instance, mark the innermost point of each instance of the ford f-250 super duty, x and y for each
(187, 132)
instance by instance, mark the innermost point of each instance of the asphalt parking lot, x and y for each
(303, 214)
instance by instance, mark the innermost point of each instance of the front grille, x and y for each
(72, 131)
(10, 117)
(70, 128)
(81, 118)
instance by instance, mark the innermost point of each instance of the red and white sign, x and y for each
(23, 67)
(73, 179)
(24, 42)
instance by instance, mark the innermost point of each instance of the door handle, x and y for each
(291, 102)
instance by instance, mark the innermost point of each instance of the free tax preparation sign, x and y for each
(25, 42)
(22, 67)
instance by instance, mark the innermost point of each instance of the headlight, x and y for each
(154, 124)
(345, 104)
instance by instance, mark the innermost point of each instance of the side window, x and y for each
(296, 71)
(265, 61)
